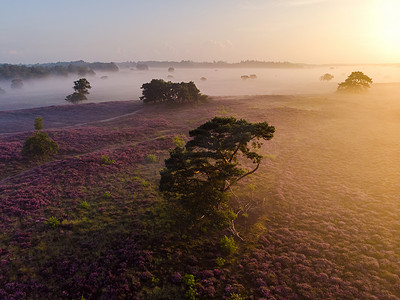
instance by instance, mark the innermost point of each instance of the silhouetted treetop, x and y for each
(81, 88)
(199, 175)
(355, 82)
(162, 91)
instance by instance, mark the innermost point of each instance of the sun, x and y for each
(390, 24)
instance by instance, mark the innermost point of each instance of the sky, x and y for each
(299, 31)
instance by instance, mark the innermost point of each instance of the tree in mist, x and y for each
(326, 77)
(159, 90)
(17, 83)
(81, 88)
(356, 82)
(198, 176)
(39, 145)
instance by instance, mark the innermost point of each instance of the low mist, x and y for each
(125, 84)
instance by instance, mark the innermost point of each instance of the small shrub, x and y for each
(39, 145)
(53, 222)
(179, 141)
(38, 123)
(152, 158)
(84, 205)
(235, 296)
(105, 160)
(228, 246)
(220, 261)
(190, 282)
(107, 195)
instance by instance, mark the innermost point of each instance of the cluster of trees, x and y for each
(81, 88)
(159, 90)
(39, 145)
(198, 176)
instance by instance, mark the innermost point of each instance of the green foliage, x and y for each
(159, 90)
(198, 176)
(355, 83)
(53, 222)
(75, 97)
(190, 282)
(39, 146)
(235, 296)
(107, 195)
(81, 88)
(84, 205)
(38, 123)
(179, 141)
(220, 262)
(105, 160)
(152, 158)
(228, 246)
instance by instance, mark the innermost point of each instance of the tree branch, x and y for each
(241, 177)
(234, 153)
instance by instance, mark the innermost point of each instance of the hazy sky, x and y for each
(309, 31)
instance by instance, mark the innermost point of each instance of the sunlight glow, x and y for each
(390, 26)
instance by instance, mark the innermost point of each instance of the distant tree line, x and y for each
(8, 71)
(214, 64)
(162, 91)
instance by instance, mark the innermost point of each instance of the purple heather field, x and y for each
(326, 224)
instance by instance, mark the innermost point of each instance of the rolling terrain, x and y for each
(323, 210)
